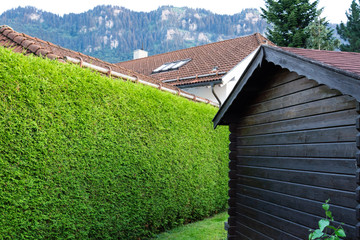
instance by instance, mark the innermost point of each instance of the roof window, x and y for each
(171, 66)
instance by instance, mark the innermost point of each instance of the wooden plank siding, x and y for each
(357, 232)
(293, 147)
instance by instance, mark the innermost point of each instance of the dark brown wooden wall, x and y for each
(292, 148)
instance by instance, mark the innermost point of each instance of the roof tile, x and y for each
(42, 52)
(12, 35)
(6, 32)
(33, 47)
(19, 39)
(27, 43)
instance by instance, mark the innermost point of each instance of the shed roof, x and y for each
(337, 70)
(347, 61)
(208, 63)
(23, 43)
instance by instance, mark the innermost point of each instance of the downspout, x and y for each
(213, 92)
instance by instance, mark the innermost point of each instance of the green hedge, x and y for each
(84, 156)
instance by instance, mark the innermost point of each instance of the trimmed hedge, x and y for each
(84, 156)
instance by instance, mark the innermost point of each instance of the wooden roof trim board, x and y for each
(23, 43)
(348, 83)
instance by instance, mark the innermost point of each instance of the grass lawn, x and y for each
(208, 229)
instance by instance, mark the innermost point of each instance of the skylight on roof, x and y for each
(171, 66)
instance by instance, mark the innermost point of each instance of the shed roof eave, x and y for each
(345, 82)
(333, 77)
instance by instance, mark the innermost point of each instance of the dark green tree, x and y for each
(321, 35)
(288, 20)
(350, 31)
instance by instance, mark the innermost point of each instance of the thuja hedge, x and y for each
(83, 156)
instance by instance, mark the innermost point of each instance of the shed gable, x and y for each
(293, 145)
(341, 79)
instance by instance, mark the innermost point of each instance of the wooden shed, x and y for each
(294, 143)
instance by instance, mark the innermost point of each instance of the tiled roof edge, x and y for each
(29, 44)
(26, 42)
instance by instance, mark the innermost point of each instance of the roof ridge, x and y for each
(257, 38)
(208, 44)
(262, 40)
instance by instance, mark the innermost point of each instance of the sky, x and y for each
(334, 10)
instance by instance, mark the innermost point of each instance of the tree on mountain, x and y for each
(288, 20)
(350, 31)
(321, 35)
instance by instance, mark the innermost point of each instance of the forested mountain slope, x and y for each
(113, 33)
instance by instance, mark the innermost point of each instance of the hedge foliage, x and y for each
(83, 156)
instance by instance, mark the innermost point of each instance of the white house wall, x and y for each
(228, 82)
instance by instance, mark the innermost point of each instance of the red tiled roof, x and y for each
(347, 61)
(225, 55)
(26, 44)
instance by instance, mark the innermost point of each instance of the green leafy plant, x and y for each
(84, 156)
(321, 35)
(337, 233)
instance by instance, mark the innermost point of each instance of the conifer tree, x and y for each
(350, 31)
(321, 35)
(288, 20)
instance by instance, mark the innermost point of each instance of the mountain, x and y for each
(113, 33)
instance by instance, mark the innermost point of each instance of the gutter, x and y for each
(97, 68)
(109, 72)
(200, 84)
(195, 76)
